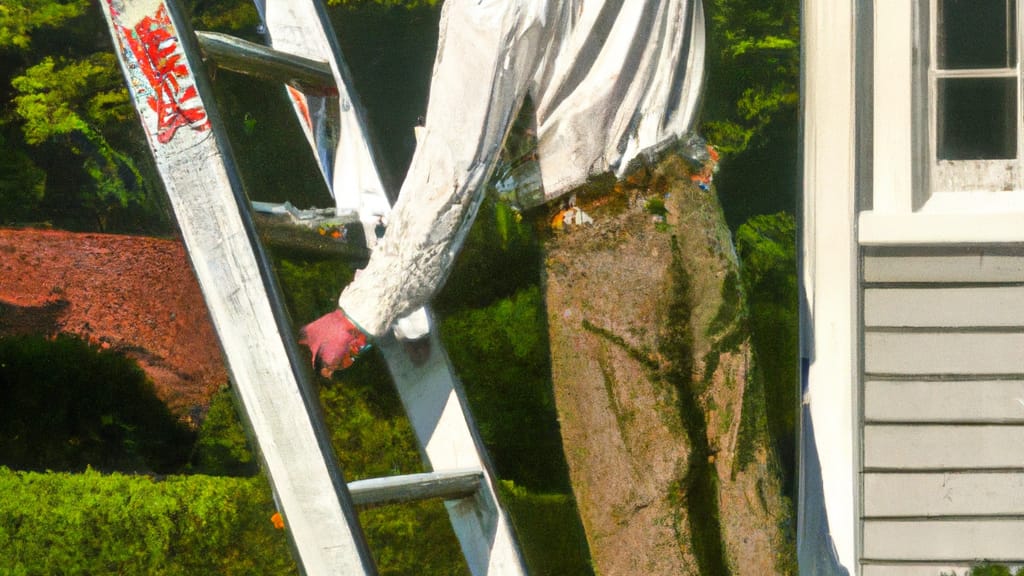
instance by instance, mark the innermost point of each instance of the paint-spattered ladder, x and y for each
(162, 62)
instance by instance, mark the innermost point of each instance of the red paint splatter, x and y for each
(158, 55)
(300, 102)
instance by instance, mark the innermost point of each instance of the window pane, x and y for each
(977, 118)
(976, 34)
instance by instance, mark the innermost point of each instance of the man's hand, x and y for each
(334, 341)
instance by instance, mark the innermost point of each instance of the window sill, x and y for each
(932, 226)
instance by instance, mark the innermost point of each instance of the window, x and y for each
(947, 123)
(974, 86)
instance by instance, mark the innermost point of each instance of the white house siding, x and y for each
(942, 419)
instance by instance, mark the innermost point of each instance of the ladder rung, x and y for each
(411, 487)
(253, 59)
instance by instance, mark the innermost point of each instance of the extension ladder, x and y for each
(161, 60)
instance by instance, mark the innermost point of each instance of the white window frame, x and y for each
(955, 176)
(906, 207)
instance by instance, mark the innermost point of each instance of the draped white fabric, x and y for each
(610, 80)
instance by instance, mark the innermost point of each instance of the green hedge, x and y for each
(767, 250)
(66, 404)
(549, 531)
(501, 354)
(92, 523)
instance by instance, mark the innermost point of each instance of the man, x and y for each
(610, 80)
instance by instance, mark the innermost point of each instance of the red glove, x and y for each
(334, 340)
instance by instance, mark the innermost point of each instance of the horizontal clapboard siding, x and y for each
(916, 495)
(944, 401)
(944, 265)
(941, 447)
(998, 306)
(954, 353)
(1000, 540)
(915, 570)
(942, 437)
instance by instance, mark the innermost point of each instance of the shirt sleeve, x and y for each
(487, 53)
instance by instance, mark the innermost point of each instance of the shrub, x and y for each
(222, 447)
(549, 531)
(66, 404)
(92, 523)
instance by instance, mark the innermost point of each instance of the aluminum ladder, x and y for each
(168, 84)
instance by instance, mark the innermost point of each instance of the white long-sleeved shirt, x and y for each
(610, 80)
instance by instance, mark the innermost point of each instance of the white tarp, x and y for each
(610, 80)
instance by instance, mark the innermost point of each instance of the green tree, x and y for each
(994, 570)
(501, 353)
(753, 68)
(65, 115)
(22, 183)
(767, 248)
(19, 18)
(69, 102)
(235, 16)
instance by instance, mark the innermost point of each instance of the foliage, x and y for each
(500, 257)
(368, 427)
(67, 101)
(994, 570)
(92, 523)
(549, 531)
(222, 448)
(18, 18)
(234, 16)
(767, 248)
(764, 178)
(751, 99)
(753, 67)
(22, 183)
(58, 100)
(67, 120)
(387, 3)
(656, 206)
(501, 354)
(413, 539)
(311, 287)
(766, 245)
(65, 405)
(372, 438)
